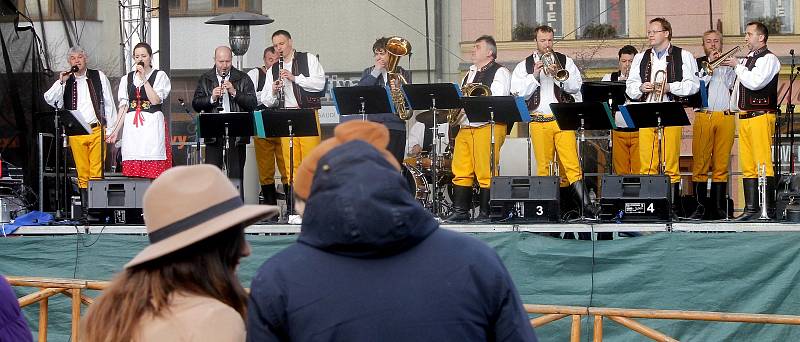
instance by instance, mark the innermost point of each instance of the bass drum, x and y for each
(417, 183)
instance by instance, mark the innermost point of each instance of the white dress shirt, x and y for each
(253, 73)
(315, 82)
(719, 88)
(765, 69)
(55, 97)
(501, 86)
(688, 84)
(525, 84)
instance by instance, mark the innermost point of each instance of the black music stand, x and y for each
(288, 123)
(67, 123)
(655, 115)
(611, 92)
(433, 96)
(225, 125)
(492, 109)
(362, 100)
(582, 116)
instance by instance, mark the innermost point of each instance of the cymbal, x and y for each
(426, 117)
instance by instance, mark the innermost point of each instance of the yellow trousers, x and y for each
(547, 138)
(268, 153)
(472, 154)
(625, 152)
(755, 141)
(649, 152)
(87, 153)
(302, 148)
(711, 145)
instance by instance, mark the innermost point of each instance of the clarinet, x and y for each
(220, 107)
(281, 95)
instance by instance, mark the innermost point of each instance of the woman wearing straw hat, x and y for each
(183, 286)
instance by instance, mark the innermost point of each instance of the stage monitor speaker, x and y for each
(634, 198)
(116, 200)
(524, 199)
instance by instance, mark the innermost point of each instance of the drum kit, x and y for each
(418, 172)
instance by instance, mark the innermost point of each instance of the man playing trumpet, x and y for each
(679, 68)
(755, 98)
(624, 140)
(540, 88)
(713, 129)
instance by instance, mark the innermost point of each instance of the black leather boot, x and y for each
(84, 204)
(751, 208)
(462, 201)
(268, 194)
(582, 195)
(700, 193)
(718, 203)
(675, 203)
(483, 215)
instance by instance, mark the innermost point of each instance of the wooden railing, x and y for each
(48, 287)
(625, 317)
(75, 290)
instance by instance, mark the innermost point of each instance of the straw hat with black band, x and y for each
(187, 204)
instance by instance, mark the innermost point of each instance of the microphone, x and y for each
(140, 63)
(791, 52)
(73, 69)
(183, 104)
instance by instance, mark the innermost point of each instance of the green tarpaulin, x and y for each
(730, 272)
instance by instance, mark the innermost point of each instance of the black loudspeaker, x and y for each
(634, 198)
(116, 200)
(528, 199)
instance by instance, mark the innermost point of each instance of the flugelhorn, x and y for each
(659, 87)
(397, 47)
(552, 67)
(709, 67)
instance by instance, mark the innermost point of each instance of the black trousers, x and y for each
(236, 157)
(397, 144)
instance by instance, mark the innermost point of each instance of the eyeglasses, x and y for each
(650, 33)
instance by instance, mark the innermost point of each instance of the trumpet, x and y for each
(455, 116)
(659, 87)
(552, 67)
(709, 66)
(397, 47)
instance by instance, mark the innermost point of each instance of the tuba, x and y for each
(709, 67)
(659, 87)
(552, 67)
(455, 116)
(397, 47)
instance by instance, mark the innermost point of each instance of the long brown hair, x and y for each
(206, 268)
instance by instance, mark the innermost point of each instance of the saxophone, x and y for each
(397, 47)
(455, 116)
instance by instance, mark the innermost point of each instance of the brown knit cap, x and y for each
(373, 133)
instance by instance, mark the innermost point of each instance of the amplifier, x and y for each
(634, 198)
(116, 200)
(527, 199)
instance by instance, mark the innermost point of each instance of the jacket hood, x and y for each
(360, 206)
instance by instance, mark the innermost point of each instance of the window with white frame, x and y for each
(597, 19)
(528, 14)
(776, 15)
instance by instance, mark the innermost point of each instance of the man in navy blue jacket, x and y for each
(371, 264)
(376, 75)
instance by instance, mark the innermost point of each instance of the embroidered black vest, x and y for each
(147, 105)
(485, 75)
(305, 99)
(95, 94)
(536, 97)
(766, 98)
(674, 71)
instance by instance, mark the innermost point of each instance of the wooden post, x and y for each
(544, 319)
(576, 329)
(642, 329)
(76, 313)
(43, 319)
(598, 328)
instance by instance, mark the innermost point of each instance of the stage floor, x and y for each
(701, 226)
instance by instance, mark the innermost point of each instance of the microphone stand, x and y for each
(790, 125)
(196, 134)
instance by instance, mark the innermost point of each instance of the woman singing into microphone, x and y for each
(145, 144)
